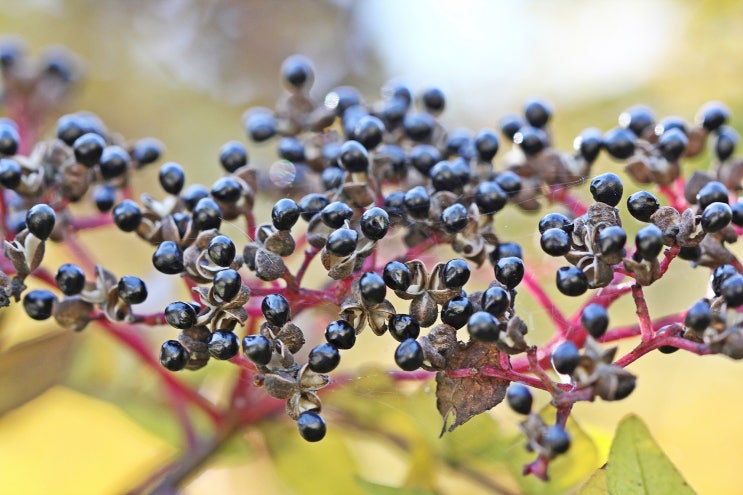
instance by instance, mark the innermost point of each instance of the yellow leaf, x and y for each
(64, 442)
(596, 484)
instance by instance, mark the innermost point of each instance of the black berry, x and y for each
(353, 157)
(555, 242)
(649, 242)
(423, 157)
(642, 205)
(372, 288)
(433, 100)
(369, 131)
(341, 334)
(335, 214)
(456, 311)
(147, 150)
(223, 344)
(454, 218)
(206, 214)
(672, 144)
(258, 349)
(637, 119)
(284, 214)
(276, 310)
(486, 143)
(312, 204)
(291, 149)
(556, 439)
(260, 124)
(725, 143)
(132, 289)
(716, 217)
(10, 173)
(699, 316)
(180, 315)
(519, 398)
(168, 258)
(509, 271)
(70, 279)
(397, 276)
(409, 355)
(712, 115)
(611, 240)
(554, 221)
(510, 125)
(297, 73)
(495, 300)
(607, 188)
(532, 140)
(232, 156)
(483, 326)
(342, 242)
(456, 273)
(323, 358)
(403, 327)
(226, 190)
(88, 149)
(173, 356)
(311, 426)
(374, 223)
(589, 144)
(571, 281)
(39, 304)
(417, 202)
(732, 290)
(40, 220)
(172, 178)
(538, 112)
(221, 250)
(127, 215)
(712, 192)
(595, 319)
(565, 357)
(490, 197)
(114, 162)
(620, 143)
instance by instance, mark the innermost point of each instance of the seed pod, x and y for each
(302, 402)
(292, 337)
(268, 266)
(424, 309)
(280, 385)
(73, 313)
(281, 242)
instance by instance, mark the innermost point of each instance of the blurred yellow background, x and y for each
(184, 71)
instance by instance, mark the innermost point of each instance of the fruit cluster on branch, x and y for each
(359, 170)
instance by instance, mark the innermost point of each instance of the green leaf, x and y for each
(637, 465)
(596, 484)
(376, 489)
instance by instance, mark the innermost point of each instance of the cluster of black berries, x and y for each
(356, 171)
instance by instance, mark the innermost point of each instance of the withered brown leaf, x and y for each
(464, 398)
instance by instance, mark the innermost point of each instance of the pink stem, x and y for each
(132, 340)
(663, 337)
(643, 316)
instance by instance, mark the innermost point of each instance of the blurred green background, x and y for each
(184, 71)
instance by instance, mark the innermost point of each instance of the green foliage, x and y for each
(636, 466)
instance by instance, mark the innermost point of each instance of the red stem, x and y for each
(643, 316)
(127, 336)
